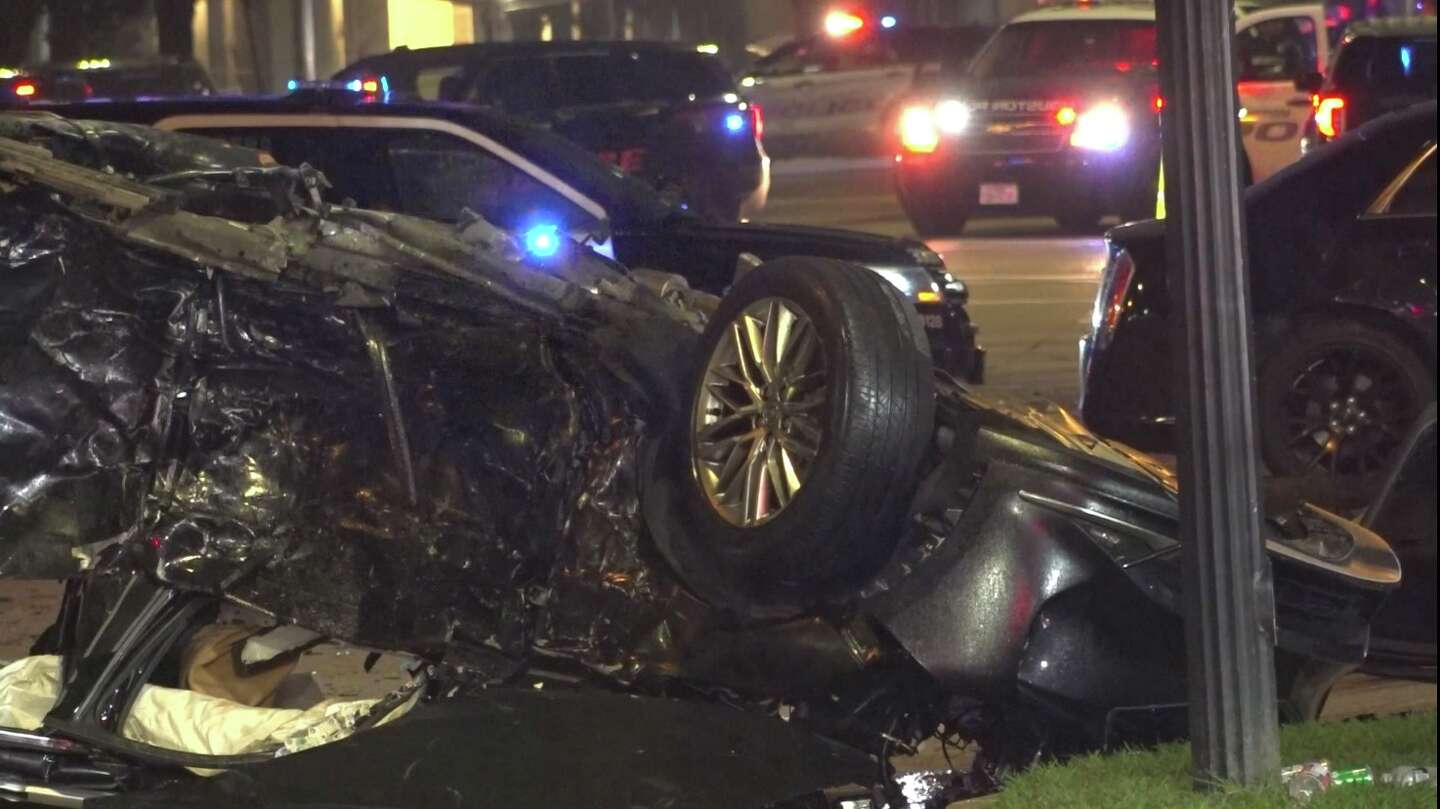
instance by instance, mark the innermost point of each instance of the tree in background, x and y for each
(20, 16)
(81, 29)
(175, 19)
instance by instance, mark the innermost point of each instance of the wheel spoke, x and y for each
(757, 493)
(754, 340)
(729, 472)
(743, 415)
(780, 481)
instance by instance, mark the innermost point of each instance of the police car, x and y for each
(1059, 115)
(841, 88)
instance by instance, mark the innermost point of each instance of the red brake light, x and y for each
(1329, 114)
(918, 131)
(25, 89)
(1158, 103)
(757, 121)
(1066, 116)
(1110, 304)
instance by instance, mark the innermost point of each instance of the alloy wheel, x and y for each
(1346, 413)
(758, 423)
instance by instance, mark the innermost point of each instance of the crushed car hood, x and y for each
(388, 430)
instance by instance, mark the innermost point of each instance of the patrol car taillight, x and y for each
(1329, 114)
(918, 131)
(26, 89)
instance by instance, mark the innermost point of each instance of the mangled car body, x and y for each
(223, 401)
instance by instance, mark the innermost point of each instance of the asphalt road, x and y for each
(1031, 286)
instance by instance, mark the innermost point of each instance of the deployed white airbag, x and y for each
(185, 721)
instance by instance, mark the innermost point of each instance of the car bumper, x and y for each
(1051, 182)
(954, 344)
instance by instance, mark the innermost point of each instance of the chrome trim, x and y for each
(46, 795)
(1157, 541)
(35, 741)
(1382, 203)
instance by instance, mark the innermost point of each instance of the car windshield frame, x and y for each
(627, 199)
(1002, 57)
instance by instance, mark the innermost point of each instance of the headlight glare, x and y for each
(1102, 128)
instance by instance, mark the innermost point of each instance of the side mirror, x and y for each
(1310, 82)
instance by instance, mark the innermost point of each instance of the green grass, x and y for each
(1159, 779)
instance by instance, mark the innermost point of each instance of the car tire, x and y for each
(935, 221)
(1309, 384)
(869, 431)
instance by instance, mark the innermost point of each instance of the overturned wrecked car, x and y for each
(688, 551)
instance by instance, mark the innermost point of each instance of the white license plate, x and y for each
(933, 321)
(999, 194)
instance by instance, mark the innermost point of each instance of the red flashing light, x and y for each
(1158, 103)
(25, 89)
(1329, 114)
(1065, 116)
(370, 85)
(1123, 67)
(757, 121)
(843, 23)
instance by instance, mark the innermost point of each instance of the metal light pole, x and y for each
(1229, 602)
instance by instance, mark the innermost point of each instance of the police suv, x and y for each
(1059, 115)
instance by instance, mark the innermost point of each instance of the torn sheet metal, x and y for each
(605, 751)
(387, 430)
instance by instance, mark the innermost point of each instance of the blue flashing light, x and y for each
(543, 241)
(353, 85)
(734, 122)
(292, 85)
(1407, 58)
(889, 21)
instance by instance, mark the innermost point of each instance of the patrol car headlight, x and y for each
(952, 116)
(1102, 128)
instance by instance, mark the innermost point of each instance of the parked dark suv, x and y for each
(1342, 286)
(1382, 66)
(669, 115)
